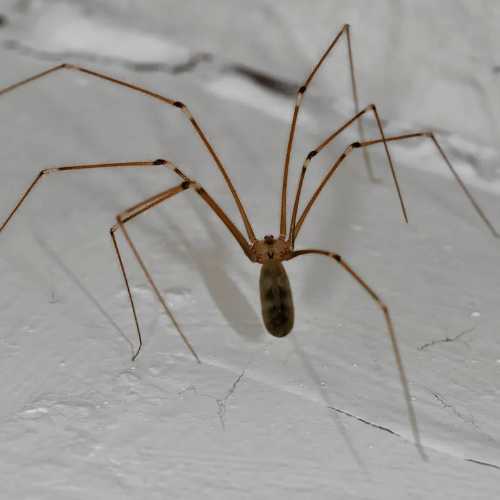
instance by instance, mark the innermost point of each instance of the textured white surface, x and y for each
(79, 420)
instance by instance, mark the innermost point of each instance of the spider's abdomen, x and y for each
(276, 298)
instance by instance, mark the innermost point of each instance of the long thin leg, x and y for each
(132, 212)
(129, 292)
(366, 144)
(201, 134)
(300, 95)
(90, 166)
(121, 220)
(461, 183)
(142, 207)
(325, 143)
(392, 335)
(361, 130)
(94, 166)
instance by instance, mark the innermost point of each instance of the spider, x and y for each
(270, 252)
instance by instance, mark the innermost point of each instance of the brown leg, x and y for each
(366, 144)
(461, 183)
(90, 166)
(73, 168)
(325, 143)
(121, 220)
(124, 274)
(361, 130)
(164, 100)
(300, 95)
(392, 335)
(138, 209)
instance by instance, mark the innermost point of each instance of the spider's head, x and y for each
(271, 248)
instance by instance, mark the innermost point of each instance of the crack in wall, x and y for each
(480, 462)
(390, 431)
(446, 339)
(364, 421)
(221, 403)
(468, 419)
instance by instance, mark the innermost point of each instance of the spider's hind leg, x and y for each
(390, 329)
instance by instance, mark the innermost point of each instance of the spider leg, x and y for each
(177, 104)
(365, 144)
(300, 95)
(142, 207)
(322, 184)
(122, 218)
(445, 158)
(89, 166)
(136, 210)
(314, 152)
(390, 329)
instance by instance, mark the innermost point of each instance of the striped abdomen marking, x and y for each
(276, 299)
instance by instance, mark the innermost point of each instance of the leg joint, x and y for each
(312, 154)
(46, 171)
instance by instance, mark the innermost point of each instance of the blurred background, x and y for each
(409, 55)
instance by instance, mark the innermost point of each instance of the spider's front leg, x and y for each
(314, 152)
(144, 206)
(298, 102)
(294, 231)
(390, 329)
(74, 168)
(160, 98)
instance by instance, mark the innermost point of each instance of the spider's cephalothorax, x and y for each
(275, 292)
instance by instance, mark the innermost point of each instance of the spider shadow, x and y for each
(53, 255)
(326, 399)
(344, 204)
(223, 289)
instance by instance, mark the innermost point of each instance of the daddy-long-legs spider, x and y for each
(270, 252)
